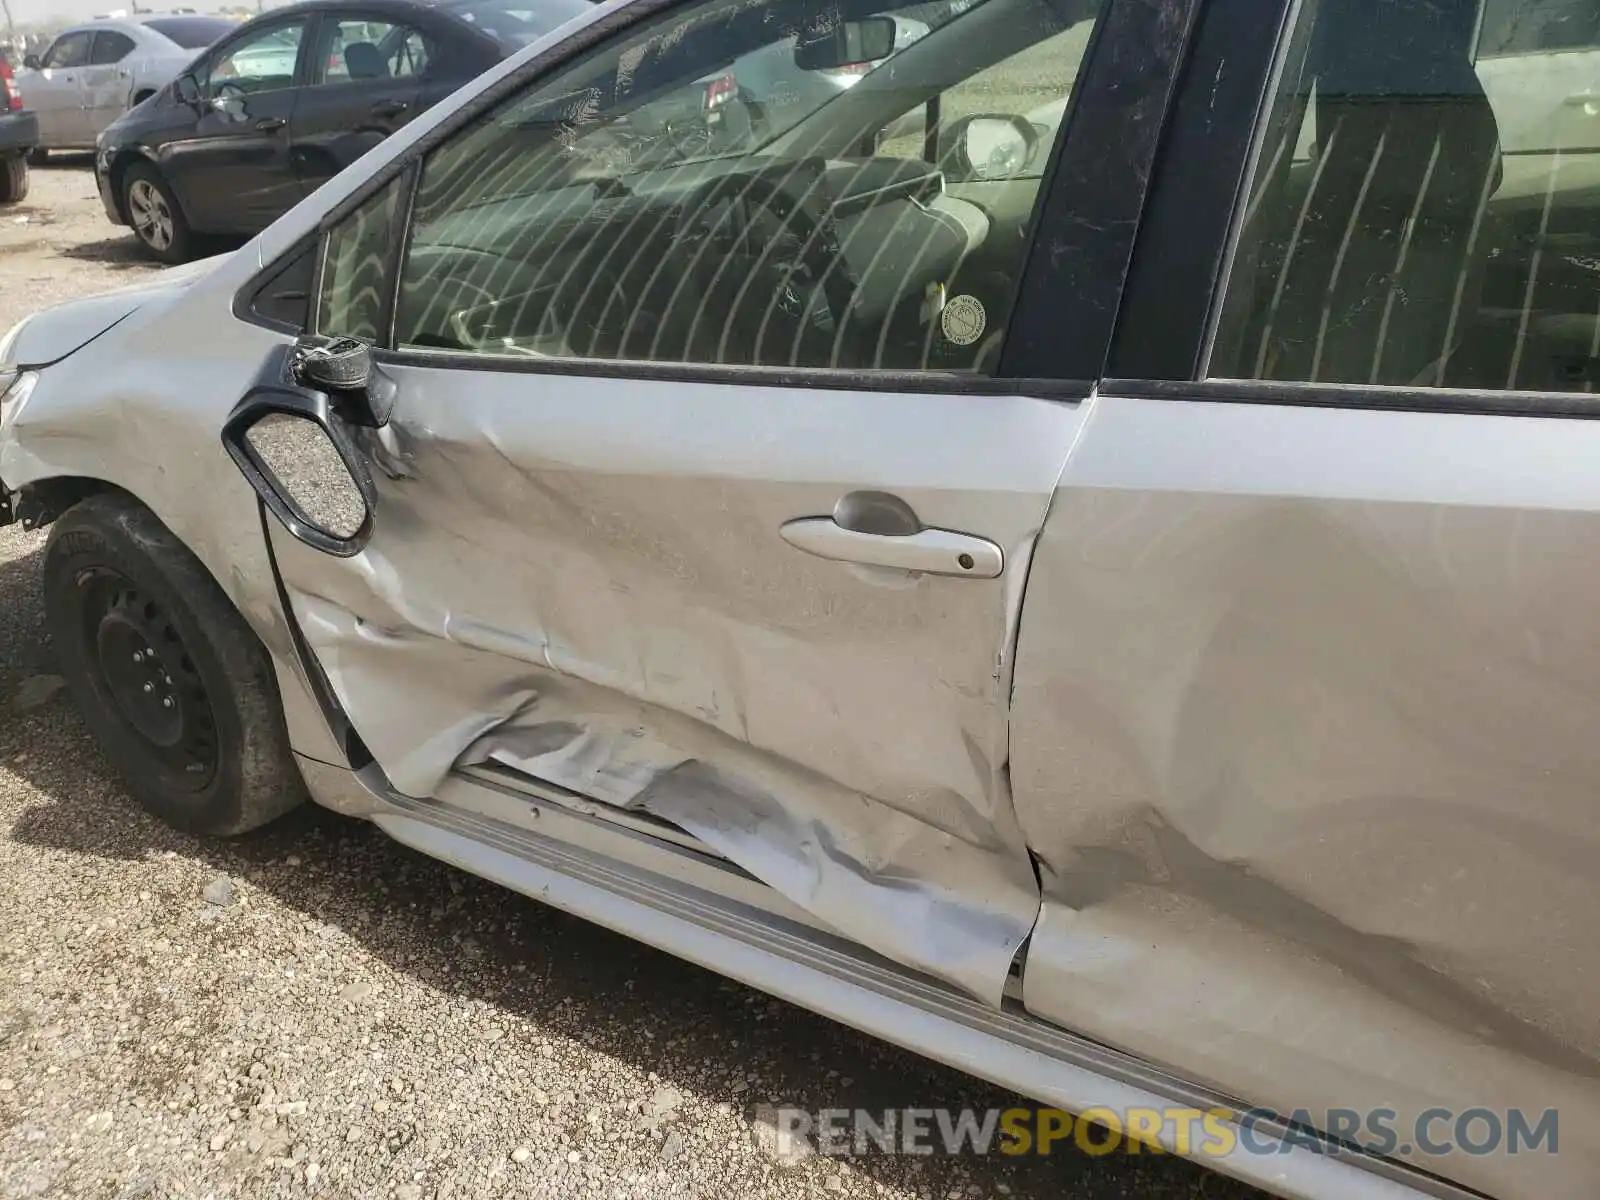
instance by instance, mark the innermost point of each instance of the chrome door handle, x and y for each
(929, 551)
(270, 124)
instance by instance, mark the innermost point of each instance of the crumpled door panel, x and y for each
(583, 580)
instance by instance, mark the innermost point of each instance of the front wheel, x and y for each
(173, 684)
(153, 211)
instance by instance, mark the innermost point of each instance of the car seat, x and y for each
(365, 61)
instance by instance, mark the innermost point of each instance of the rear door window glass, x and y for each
(1424, 210)
(110, 47)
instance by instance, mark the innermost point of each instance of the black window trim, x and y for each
(1068, 316)
(1179, 259)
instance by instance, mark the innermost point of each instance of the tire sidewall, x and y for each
(77, 547)
(14, 187)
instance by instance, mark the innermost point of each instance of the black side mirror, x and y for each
(187, 89)
(294, 452)
(291, 438)
(32, 63)
(343, 368)
(848, 44)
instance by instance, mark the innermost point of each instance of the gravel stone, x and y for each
(219, 892)
(36, 690)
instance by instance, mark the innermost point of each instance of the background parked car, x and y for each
(93, 73)
(19, 133)
(288, 100)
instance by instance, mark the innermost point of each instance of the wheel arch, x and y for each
(39, 503)
(118, 173)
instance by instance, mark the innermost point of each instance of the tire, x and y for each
(173, 684)
(14, 180)
(153, 212)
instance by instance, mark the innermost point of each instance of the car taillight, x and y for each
(720, 90)
(8, 87)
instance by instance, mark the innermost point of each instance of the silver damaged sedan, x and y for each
(1076, 553)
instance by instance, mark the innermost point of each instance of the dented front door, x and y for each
(590, 582)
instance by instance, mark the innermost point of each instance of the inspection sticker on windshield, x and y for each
(963, 320)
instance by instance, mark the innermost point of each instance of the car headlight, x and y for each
(15, 388)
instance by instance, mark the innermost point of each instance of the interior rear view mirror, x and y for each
(848, 44)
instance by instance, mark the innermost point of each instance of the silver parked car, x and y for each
(1100, 591)
(93, 73)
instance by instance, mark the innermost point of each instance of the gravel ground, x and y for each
(315, 1010)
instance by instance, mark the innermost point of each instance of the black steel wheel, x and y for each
(175, 687)
(140, 662)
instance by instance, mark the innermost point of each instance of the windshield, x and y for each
(517, 23)
(192, 33)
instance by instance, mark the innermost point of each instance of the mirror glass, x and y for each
(32, 62)
(848, 44)
(309, 473)
(995, 148)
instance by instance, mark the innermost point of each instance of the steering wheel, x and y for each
(776, 266)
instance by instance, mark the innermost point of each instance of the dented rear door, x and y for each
(1308, 679)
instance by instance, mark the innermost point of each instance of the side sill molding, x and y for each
(807, 967)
